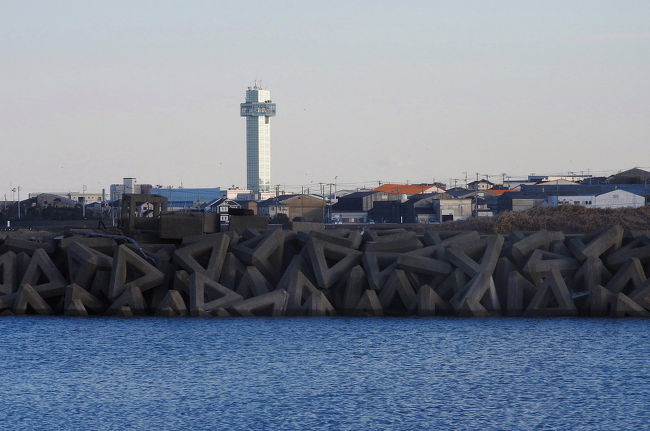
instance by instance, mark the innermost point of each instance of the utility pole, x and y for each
(18, 202)
(83, 201)
(335, 178)
(476, 196)
(322, 194)
(329, 208)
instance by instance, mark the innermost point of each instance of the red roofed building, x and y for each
(409, 189)
(499, 192)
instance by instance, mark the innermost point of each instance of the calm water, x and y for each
(308, 374)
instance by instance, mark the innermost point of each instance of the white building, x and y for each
(235, 193)
(613, 199)
(129, 186)
(258, 110)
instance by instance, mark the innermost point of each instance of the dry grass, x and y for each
(569, 219)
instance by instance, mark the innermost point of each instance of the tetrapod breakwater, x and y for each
(370, 272)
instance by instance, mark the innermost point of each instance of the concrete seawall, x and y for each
(387, 272)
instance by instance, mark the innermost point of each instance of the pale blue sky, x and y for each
(93, 91)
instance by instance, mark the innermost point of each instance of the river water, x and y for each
(330, 373)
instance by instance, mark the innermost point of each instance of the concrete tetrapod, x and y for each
(318, 305)
(41, 267)
(638, 248)
(330, 262)
(105, 246)
(129, 303)
(378, 267)
(398, 294)
(127, 261)
(628, 278)
(264, 251)
(543, 262)
(212, 252)
(489, 250)
(355, 285)
(345, 238)
(641, 295)
(592, 273)
(172, 305)
(23, 245)
(429, 303)
(478, 298)
(369, 304)
(623, 306)
(7, 273)
(520, 292)
(597, 244)
(446, 239)
(270, 304)
(253, 283)
(533, 274)
(552, 298)
(300, 290)
(78, 301)
(233, 270)
(521, 249)
(83, 263)
(28, 298)
(453, 284)
(397, 243)
(207, 295)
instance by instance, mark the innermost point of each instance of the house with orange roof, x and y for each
(409, 189)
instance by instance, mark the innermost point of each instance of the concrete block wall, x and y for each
(394, 272)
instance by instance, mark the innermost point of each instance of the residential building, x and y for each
(480, 185)
(258, 110)
(221, 206)
(409, 189)
(461, 193)
(362, 201)
(249, 205)
(295, 206)
(436, 208)
(354, 207)
(452, 209)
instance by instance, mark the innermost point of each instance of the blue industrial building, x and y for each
(189, 197)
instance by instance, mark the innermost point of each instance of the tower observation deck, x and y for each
(258, 110)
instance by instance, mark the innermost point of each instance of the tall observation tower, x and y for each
(258, 111)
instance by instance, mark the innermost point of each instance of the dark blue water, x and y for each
(309, 374)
